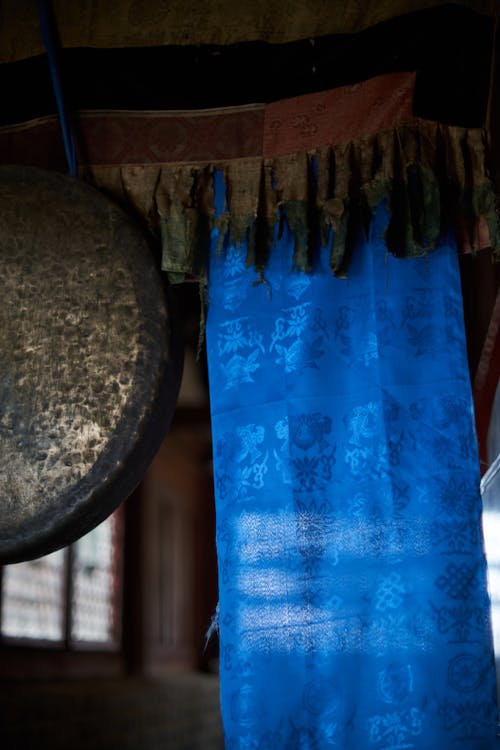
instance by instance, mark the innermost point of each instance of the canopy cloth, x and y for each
(323, 161)
(146, 23)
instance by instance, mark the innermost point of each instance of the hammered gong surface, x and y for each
(88, 378)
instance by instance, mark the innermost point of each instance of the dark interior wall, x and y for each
(171, 576)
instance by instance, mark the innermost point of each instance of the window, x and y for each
(70, 598)
(490, 491)
(33, 599)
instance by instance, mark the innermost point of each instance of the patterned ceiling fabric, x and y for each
(354, 609)
(451, 87)
(146, 23)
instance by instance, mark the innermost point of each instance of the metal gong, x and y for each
(88, 374)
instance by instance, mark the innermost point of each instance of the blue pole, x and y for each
(48, 32)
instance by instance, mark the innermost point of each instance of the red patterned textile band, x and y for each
(338, 116)
(127, 137)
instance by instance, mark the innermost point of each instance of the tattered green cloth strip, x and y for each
(429, 175)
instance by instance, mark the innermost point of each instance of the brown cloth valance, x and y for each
(431, 176)
(321, 162)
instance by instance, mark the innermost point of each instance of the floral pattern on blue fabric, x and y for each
(245, 460)
(462, 623)
(312, 456)
(299, 337)
(364, 449)
(241, 345)
(396, 730)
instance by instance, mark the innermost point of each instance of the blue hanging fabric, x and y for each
(354, 610)
(48, 32)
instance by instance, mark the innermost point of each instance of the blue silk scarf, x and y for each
(354, 610)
